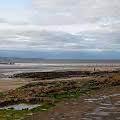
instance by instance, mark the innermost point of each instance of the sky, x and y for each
(61, 28)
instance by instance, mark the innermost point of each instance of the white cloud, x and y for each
(78, 11)
(65, 25)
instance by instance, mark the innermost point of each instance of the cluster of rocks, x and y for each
(60, 74)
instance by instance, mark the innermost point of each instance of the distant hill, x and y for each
(17, 60)
(38, 60)
(84, 55)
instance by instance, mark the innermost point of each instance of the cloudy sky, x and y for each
(60, 26)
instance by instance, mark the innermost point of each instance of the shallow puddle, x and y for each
(21, 107)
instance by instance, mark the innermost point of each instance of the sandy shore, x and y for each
(8, 84)
(12, 83)
(43, 67)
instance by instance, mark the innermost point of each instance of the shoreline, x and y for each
(58, 66)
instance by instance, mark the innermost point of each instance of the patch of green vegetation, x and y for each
(1, 94)
(86, 88)
(64, 95)
(11, 114)
(43, 107)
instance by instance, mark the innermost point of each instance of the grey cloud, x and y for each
(2, 20)
(46, 40)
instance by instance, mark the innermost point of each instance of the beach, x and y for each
(55, 91)
(55, 65)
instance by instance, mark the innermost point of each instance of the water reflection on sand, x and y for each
(108, 108)
(42, 67)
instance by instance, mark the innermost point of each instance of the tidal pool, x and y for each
(21, 106)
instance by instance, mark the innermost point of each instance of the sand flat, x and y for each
(6, 85)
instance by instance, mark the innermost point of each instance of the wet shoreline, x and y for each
(6, 70)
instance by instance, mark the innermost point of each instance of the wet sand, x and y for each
(8, 84)
(44, 67)
(101, 105)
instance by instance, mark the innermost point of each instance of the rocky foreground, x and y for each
(49, 91)
(99, 105)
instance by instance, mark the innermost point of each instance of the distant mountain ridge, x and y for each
(14, 59)
(69, 61)
(61, 54)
